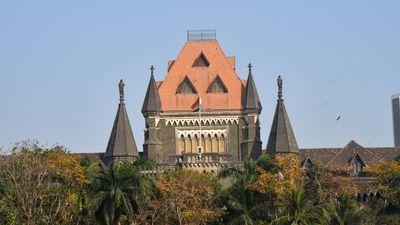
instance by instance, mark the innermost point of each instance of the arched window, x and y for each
(208, 143)
(357, 167)
(222, 144)
(357, 164)
(203, 142)
(214, 141)
(181, 144)
(188, 146)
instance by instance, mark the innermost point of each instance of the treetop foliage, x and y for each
(49, 185)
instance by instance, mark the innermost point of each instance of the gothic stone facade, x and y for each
(230, 129)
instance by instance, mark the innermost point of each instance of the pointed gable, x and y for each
(351, 152)
(251, 101)
(152, 102)
(217, 86)
(201, 78)
(201, 61)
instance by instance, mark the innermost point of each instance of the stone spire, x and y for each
(281, 138)
(121, 145)
(152, 102)
(251, 101)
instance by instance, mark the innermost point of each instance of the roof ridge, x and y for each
(373, 154)
(336, 155)
(172, 66)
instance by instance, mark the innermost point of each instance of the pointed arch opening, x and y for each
(186, 87)
(217, 86)
(357, 164)
(201, 61)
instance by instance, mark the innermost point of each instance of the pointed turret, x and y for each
(121, 145)
(281, 138)
(152, 102)
(251, 101)
(251, 145)
(151, 110)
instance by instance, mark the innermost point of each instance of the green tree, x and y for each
(118, 194)
(385, 209)
(186, 197)
(299, 211)
(244, 175)
(34, 187)
(244, 204)
(343, 212)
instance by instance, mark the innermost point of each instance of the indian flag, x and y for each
(196, 105)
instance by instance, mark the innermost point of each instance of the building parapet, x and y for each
(209, 157)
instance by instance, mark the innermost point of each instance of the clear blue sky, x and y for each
(60, 63)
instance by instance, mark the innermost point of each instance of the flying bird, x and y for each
(338, 118)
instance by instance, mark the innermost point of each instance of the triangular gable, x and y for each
(201, 61)
(186, 87)
(201, 77)
(349, 153)
(217, 86)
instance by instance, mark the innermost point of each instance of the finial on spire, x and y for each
(279, 81)
(152, 70)
(121, 86)
(250, 66)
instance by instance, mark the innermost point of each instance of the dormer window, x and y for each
(201, 61)
(357, 167)
(217, 86)
(307, 163)
(357, 164)
(186, 87)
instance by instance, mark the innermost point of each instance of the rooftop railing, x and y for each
(201, 35)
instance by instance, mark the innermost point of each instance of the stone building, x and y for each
(227, 129)
(229, 120)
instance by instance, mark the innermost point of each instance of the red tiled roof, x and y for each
(201, 78)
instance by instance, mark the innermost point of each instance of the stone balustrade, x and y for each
(209, 157)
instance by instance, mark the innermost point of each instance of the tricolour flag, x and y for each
(196, 105)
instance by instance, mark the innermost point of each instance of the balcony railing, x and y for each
(210, 157)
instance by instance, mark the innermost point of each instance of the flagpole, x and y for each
(200, 121)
